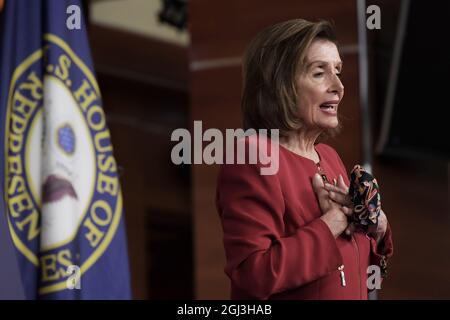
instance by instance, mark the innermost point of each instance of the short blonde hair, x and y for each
(270, 66)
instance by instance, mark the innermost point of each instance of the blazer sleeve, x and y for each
(383, 251)
(260, 259)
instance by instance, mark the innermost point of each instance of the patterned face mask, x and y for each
(364, 192)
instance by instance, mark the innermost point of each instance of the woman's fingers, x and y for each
(321, 193)
(318, 186)
(339, 192)
(330, 187)
(342, 184)
(340, 198)
(347, 211)
(317, 180)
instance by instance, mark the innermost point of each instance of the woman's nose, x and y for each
(336, 86)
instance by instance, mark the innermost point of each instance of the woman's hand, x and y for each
(381, 228)
(339, 193)
(334, 215)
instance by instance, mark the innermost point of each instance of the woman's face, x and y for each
(319, 86)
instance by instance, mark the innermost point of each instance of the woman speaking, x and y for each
(287, 235)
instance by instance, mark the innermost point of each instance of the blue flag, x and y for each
(60, 178)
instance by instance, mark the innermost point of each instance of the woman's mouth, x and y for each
(329, 108)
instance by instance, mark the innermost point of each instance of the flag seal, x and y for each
(61, 185)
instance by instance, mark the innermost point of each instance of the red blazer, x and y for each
(276, 246)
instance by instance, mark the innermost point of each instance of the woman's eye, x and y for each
(318, 74)
(338, 74)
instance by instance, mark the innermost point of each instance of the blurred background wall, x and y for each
(155, 78)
